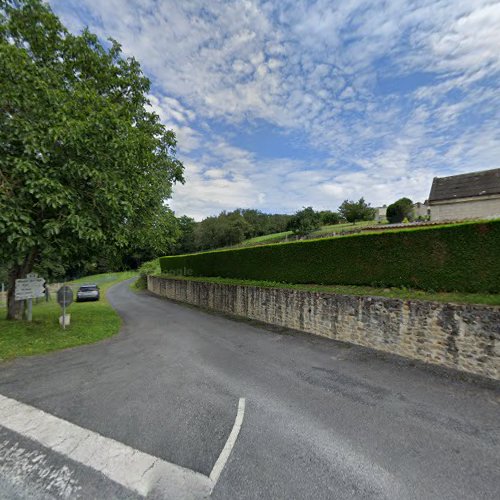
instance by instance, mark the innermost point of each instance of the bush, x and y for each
(151, 267)
(399, 211)
(461, 257)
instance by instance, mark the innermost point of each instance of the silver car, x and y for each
(87, 292)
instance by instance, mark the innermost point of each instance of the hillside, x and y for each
(323, 231)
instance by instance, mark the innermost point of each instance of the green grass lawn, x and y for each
(90, 322)
(395, 293)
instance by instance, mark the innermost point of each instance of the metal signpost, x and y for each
(64, 299)
(28, 289)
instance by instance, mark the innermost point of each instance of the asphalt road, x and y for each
(321, 419)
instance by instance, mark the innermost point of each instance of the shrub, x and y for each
(400, 210)
(461, 257)
(151, 267)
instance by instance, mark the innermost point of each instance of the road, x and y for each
(284, 415)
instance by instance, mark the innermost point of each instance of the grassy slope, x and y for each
(267, 238)
(278, 237)
(342, 228)
(396, 293)
(90, 322)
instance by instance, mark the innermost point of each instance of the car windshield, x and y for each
(90, 288)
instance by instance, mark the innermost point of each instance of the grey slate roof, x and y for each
(474, 184)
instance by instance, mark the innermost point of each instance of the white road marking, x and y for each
(226, 451)
(121, 463)
(20, 464)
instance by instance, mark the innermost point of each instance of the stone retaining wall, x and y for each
(464, 337)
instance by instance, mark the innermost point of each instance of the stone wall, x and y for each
(464, 337)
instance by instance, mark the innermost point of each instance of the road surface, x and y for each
(186, 404)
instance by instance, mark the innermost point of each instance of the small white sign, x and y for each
(29, 288)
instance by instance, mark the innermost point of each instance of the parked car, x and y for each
(87, 292)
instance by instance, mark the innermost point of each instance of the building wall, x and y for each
(380, 213)
(464, 337)
(420, 210)
(470, 208)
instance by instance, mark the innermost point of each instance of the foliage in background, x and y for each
(353, 211)
(329, 218)
(226, 229)
(459, 257)
(400, 210)
(84, 163)
(304, 221)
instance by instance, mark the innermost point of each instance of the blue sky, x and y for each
(290, 103)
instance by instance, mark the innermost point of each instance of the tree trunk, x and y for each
(18, 271)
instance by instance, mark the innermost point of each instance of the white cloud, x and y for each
(314, 69)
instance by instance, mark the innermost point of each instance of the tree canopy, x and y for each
(83, 160)
(353, 211)
(304, 221)
(328, 217)
(400, 210)
(228, 228)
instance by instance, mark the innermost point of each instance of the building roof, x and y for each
(469, 185)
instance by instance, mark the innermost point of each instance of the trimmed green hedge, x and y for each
(460, 257)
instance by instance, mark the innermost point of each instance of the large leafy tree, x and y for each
(83, 162)
(353, 211)
(304, 221)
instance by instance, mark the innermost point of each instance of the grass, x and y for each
(267, 238)
(395, 293)
(324, 230)
(90, 322)
(342, 228)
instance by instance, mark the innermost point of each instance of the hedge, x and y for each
(460, 257)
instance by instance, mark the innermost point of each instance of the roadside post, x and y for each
(64, 299)
(29, 288)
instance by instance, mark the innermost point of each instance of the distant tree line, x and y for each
(226, 229)
(232, 228)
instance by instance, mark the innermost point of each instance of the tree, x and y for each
(224, 230)
(186, 241)
(304, 221)
(156, 236)
(353, 211)
(328, 217)
(400, 210)
(83, 162)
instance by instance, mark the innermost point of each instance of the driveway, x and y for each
(183, 403)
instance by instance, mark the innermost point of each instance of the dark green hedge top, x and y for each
(460, 257)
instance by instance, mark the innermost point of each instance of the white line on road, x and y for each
(226, 451)
(121, 463)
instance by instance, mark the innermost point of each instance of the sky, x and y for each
(283, 104)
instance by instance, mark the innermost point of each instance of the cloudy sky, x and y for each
(288, 103)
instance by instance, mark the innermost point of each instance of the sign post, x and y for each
(64, 298)
(28, 289)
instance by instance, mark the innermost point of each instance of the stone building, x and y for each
(466, 196)
(421, 210)
(380, 213)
